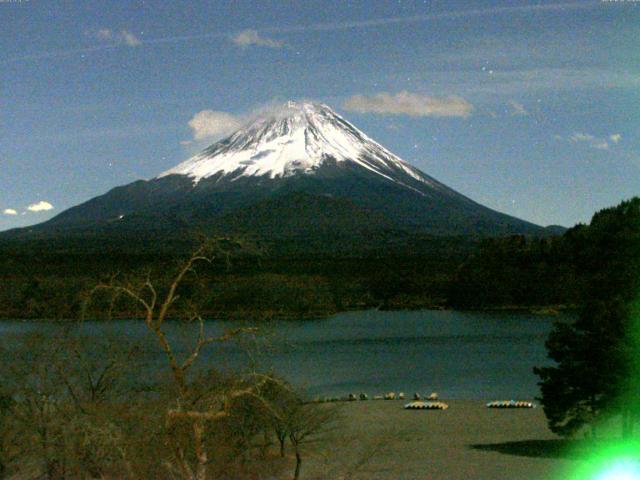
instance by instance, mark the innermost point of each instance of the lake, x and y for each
(461, 355)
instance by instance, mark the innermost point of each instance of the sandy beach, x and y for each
(381, 440)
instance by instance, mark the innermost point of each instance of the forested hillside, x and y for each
(317, 276)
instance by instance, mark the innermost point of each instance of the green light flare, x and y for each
(631, 396)
(621, 470)
(617, 459)
(608, 461)
(616, 454)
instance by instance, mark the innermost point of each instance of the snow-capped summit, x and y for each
(296, 171)
(297, 138)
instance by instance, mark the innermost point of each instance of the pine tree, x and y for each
(597, 356)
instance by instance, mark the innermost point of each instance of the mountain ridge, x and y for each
(299, 148)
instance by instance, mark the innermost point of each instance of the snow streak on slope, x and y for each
(298, 139)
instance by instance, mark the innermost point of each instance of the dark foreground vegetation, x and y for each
(69, 409)
(79, 406)
(76, 406)
(596, 376)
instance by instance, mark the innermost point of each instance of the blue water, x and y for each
(458, 354)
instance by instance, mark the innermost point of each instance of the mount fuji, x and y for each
(299, 171)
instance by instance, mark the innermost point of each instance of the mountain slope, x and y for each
(280, 176)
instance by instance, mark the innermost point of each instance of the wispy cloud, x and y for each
(518, 82)
(581, 137)
(408, 103)
(472, 12)
(592, 141)
(130, 39)
(40, 206)
(517, 108)
(9, 211)
(331, 26)
(249, 37)
(122, 37)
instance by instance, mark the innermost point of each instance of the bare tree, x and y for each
(283, 399)
(60, 416)
(294, 420)
(39, 412)
(306, 422)
(156, 305)
(7, 434)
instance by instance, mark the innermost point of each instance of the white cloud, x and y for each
(40, 206)
(599, 143)
(9, 211)
(249, 37)
(518, 108)
(123, 37)
(407, 103)
(130, 39)
(104, 34)
(210, 125)
(581, 137)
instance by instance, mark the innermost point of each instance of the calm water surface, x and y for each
(458, 354)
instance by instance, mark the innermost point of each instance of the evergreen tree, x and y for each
(597, 357)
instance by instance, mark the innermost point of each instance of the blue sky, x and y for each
(529, 107)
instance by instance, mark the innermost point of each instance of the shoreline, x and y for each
(466, 441)
(260, 316)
